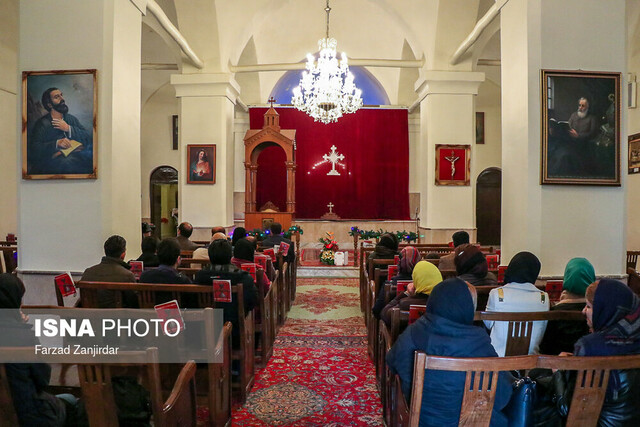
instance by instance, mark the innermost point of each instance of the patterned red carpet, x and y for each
(319, 374)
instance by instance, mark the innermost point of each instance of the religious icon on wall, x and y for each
(580, 128)
(634, 153)
(479, 127)
(453, 164)
(59, 110)
(201, 164)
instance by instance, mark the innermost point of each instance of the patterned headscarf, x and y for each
(409, 257)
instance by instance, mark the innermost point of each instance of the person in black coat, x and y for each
(220, 254)
(275, 238)
(149, 247)
(169, 258)
(446, 329)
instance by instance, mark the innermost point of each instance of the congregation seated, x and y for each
(425, 278)
(149, 257)
(185, 230)
(166, 273)
(238, 233)
(203, 253)
(221, 268)
(409, 257)
(243, 253)
(112, 268)
(27, 381)
(446, 329)
(560, 336)
(519, 294)
(447, 262)
(386, 248)
(275, 238)
(471, 266)
(613, 314)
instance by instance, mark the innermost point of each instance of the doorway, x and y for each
(164, 201)
(488, 206)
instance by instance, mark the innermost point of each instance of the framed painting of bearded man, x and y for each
(59, 112)
(580, 128)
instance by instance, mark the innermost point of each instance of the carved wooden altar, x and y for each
(255, 141)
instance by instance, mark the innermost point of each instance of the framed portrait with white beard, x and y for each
(580, 128)
(59, 110)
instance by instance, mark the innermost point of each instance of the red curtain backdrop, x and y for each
(374, 175)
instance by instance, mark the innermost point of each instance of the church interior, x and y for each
(190, 102)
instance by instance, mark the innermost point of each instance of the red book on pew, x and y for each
(64, 282)
(402, 286)
(221, 290)
(396, 259)
(136, 268)
(170, 311)
(554, 289)
(284, 248)
(416, 311)
(493, 261)
(270, 252)
(11, 237)
(501, 271)
(261, 260)
(392, 271)
(251, 268)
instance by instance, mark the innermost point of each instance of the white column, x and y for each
(446, 117)
(63, 223)
(206, 117)
(557, 222)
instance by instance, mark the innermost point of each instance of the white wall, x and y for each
(633, 127)
(489, 154)
(9, 124)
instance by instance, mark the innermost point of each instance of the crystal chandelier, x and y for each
(326, 90)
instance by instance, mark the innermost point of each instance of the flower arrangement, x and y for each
(329, 247)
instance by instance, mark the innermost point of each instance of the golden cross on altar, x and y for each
(330, 206)
(271, 100)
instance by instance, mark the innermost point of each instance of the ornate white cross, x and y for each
(452, 158)
(333, 158)
(330, 206)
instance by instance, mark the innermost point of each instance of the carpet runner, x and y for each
(319, 374)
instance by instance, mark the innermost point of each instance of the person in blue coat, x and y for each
(446, 329)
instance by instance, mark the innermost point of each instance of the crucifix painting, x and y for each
(453, 164)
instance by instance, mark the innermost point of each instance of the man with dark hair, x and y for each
(112, 268)
(169, 256)
(58, 143)
(149, 257)
(220, 254)
(184, 232)
(447, 262)
(275, 238)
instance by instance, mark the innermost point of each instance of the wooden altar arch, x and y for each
(256, 140)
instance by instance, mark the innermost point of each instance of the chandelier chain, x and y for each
(328, 10)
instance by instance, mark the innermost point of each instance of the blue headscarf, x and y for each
(451, 299)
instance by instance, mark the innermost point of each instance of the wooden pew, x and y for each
(264, 328)
(634, 280)
(632, 259)
(7, 263)
(97, 392)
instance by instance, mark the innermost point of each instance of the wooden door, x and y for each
(164, 197)
(488, 206)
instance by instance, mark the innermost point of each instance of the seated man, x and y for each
(447, 262)
(184, 232)
(169, 256)
(518, 295)
(276, 238)
(221, 268)
(112, 268)
(243, 253)
(149, 246)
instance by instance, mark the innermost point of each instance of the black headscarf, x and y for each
(11, 291)
(452, 300)
(238, 233)
(387, 245)
(243, 250)
(523, 268)
(469, 259)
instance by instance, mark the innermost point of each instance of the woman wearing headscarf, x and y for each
(425, 277)
(446, 329)
(387, 248)
(518, 295)
(409, 257)
(243, 253)
(27, 381)
(613, 314)
(471, 266)
(560, 336)
(238, 233)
